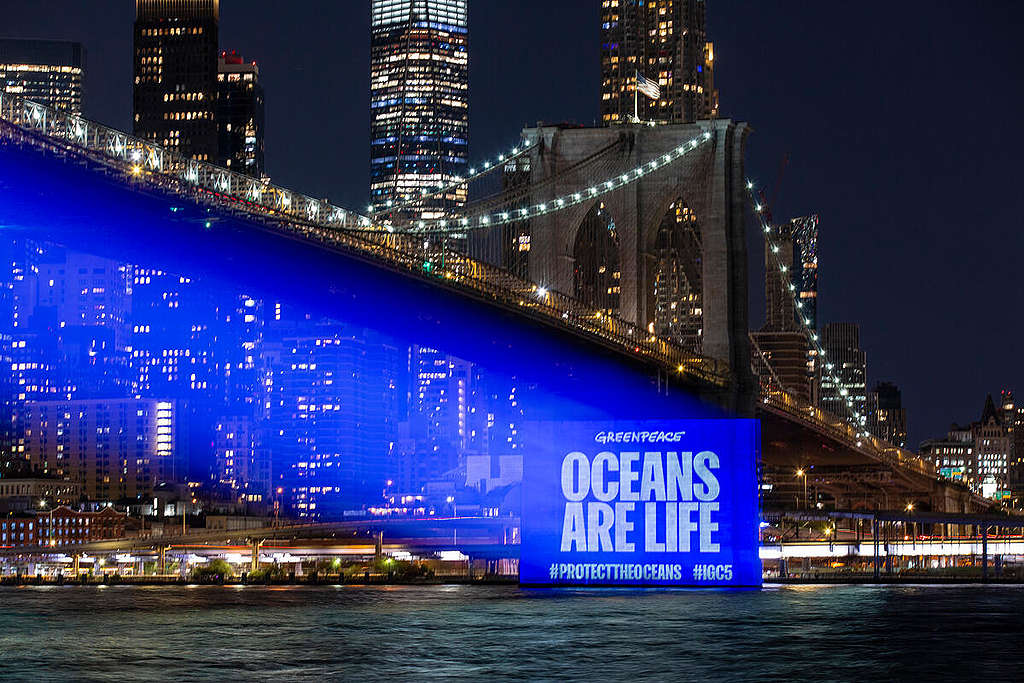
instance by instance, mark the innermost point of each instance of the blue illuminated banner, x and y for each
(666, 502)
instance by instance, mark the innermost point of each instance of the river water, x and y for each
(475, 632)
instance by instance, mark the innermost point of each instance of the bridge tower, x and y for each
(667, 252)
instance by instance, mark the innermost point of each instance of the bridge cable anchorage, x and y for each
(475, 173)
(474, 222)
(857, 421)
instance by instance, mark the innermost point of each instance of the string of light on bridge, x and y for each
(620, 180)
(770, 236)
(475, 172)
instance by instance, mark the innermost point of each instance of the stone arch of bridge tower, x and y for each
(576, 232)
(650, 225)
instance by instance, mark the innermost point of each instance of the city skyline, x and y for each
(364, 317)
(745, 64)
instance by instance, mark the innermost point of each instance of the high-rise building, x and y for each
(848, 364)
(782, 348)
(113, 448)
(1013, 418)
(49, 72)
(333, 399)
(239, 115)
(805, 267)
(176, 75)
(419, 107)
(887, 418)
(678, 289)
(241, 458)
(664, 41)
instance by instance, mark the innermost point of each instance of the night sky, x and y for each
(900, 120)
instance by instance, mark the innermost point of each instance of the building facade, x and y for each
(332, 397)
(664, 41)
(50, 72)
(953, 455)
(242, 461)
(114, 449)
(22, 494)
(419, 106)
(61, 526)
(175, 93)
(239, 115)
(978, 454)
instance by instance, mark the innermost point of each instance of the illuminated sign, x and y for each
(668, 502)
(952, 472)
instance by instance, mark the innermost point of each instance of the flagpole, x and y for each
(636, 96)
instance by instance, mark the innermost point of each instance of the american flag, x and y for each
(648, 87)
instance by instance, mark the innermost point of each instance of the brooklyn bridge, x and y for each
(643, 206)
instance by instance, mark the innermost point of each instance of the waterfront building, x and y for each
(419, 86)
(50, 72)
(113, 449)
(848, 363)
(887, 419)
(664, 41)
(176, 75)
(239, 115)
(60, 526)
(25, 493)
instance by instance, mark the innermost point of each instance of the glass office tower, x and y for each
(419, 85)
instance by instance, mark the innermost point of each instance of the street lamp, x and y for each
(802, 473)
(49, 524)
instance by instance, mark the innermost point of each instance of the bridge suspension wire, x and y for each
(486, 167)
(597, 164)
(560, 203)
(770, 232)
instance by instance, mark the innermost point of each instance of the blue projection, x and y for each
(651, 502)
(286, 376)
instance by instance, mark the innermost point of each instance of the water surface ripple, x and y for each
(474, 632)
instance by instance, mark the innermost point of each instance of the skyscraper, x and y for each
(848, 363)
(49, 72)
(782, 347)
(665, 41)
(239, 115)
(419, 84)
(805, 266)
(176, 75)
